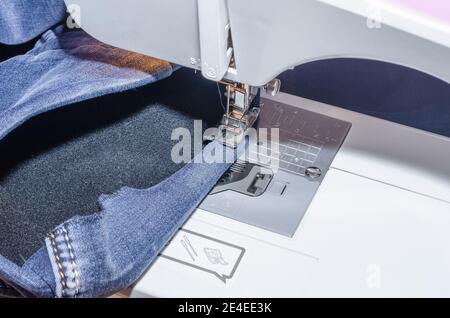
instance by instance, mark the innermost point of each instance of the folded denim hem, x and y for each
(67, 67)
(23, 20)
(22, 282)
(105, 252)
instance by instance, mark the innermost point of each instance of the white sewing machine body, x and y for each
(267, 37)
(378, 224)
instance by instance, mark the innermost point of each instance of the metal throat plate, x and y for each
(308, 143)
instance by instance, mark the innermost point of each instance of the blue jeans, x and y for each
(66, 67)
(102, 253)
(23, 20)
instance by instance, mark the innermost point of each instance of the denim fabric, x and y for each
(65, 68)
(104, 252)
(23, 20)
(101, 253)
(31, 280)
(57, 164)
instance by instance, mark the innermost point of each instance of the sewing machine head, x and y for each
(247, 43)
(252, 41)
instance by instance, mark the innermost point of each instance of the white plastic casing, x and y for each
(268, 36)
(214, 27)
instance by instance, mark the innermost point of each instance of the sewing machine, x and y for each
(358, 207)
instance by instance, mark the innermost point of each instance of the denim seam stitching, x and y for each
(56, 253)
(74, 268)
(66, 264)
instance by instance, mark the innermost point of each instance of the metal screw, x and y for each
(313, 172)
(273, 87)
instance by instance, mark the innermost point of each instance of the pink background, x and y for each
(439, 9)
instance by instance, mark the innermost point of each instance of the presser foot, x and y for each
(241, 113)
(234, 127)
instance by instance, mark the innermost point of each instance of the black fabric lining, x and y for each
(9, 51)
(56, 165)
